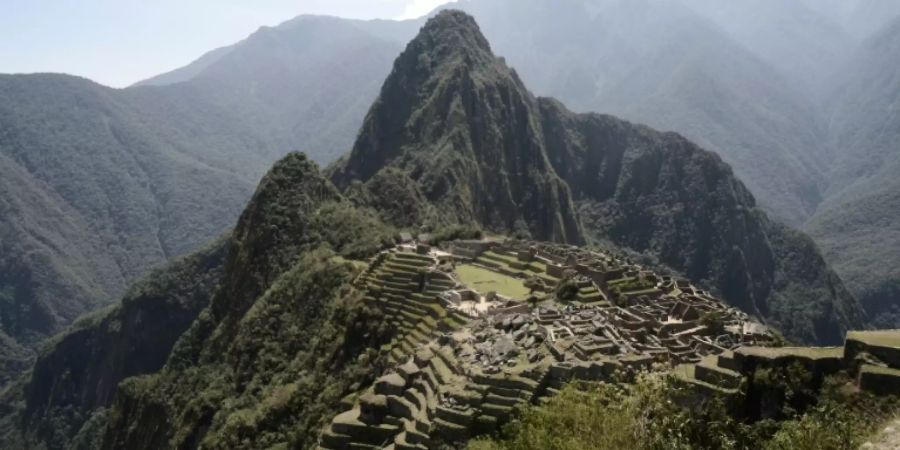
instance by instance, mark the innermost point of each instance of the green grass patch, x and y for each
(803, 352)
(483, 280)
(881, 338)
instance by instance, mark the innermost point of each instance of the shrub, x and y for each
(567, 290)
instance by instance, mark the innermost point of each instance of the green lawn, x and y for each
(807, 352)
(483, 280)
(882, 338)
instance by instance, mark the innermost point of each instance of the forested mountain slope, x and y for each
(96, 190)
(100, 185)
(858, 226)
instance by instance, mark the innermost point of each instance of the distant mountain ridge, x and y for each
(96, 190)
(858, 226)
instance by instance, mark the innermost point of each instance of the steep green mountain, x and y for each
(100, 185)
(285, 335)
(306, 82)
(858, 226)
(75, 379)
(463, 127)
(458, 128)
(284, 338)
(270, 331)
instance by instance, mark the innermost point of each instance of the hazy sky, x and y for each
(119, 42)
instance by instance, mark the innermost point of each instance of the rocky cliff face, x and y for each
(459, 127)
(661, 194)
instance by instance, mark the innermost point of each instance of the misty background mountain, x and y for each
(101, 184)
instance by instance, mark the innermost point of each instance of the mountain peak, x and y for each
(460, 125)
(438, 83)
(452, 31)
(448, 45)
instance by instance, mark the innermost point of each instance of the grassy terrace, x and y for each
(533, 268)
(416, 315)
(806, 352)
(881, 338)
(868, 368)
(637, 293)
(483, 280)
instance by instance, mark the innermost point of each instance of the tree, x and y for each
(534, 283)
(714, 321)
(567, 290)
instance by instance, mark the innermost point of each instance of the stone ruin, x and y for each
(465, 361)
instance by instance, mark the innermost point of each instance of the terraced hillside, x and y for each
(464, 359)
(405, 286)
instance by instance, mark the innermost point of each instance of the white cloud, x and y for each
(418, 8)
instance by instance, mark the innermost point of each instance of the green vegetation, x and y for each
(807, 352)
(75, 377)
(455, 232)
(98, 186)
(877, 338)
(352, 232)
(713, 321)
(484, 280)
(566, 290)
(289, 365)
(647, 415)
